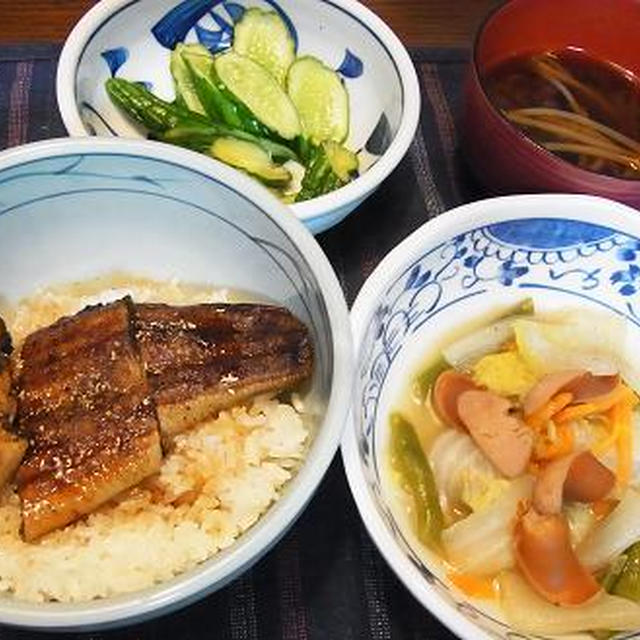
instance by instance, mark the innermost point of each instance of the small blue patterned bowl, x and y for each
(564, 251)
(133, 39)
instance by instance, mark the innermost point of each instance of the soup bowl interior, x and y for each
(133, 40)
(72, 210)
(563, 251)
(502, 156)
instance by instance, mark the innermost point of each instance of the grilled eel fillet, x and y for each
(12, 448)
(85, 407)
(203, 358)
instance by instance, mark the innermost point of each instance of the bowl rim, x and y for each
(258, 539)
(359, 188)
(554, 160)
(447, 225)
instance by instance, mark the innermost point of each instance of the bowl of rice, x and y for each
(89, 221)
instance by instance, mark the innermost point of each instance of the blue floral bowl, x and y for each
(564, 251)
(134, 38)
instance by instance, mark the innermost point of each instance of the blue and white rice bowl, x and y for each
(563, 251)
(133, 39)
(75, 209)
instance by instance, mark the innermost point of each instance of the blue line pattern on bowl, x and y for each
(115, 58)
(289, 261)
(351, 66)
(380, 139)
(215, 40)
(589, 262)
(174, 26)
(235, 10)
(86, 107)
(287, 20)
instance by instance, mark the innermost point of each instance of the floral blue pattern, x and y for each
(351, 66)
(115, 58)
(590, 262)
(173, 27)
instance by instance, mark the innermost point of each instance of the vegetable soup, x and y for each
(516, 455)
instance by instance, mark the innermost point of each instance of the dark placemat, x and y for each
(325, 580)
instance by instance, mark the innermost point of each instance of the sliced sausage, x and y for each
(504, 438)
(547, 387)
(588, 479)
(549, 487)
(447, 389)
(582, 385)
(590, 388)
(544, 555)
(579, 477)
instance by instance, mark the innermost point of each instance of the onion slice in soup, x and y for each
(591, 341)
(528, 612)
(619, 530)
(482, 542)
(479, 343)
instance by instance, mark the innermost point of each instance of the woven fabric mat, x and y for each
(325, 580)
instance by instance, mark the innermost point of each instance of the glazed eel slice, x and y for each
(203, 358)
(86, 409)
(12, 448)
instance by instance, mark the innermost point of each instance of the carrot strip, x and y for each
(602, 446)
(620, 415)
(582, 410)
(540, 418)
(576, 412)
(473, 586)
(625, 461)
(547, 448)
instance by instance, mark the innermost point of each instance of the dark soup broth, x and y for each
(583, 109)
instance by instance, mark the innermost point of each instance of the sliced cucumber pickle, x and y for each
(264, 37)
(199, 57)
(253, 85)
(251, 158)
(343, 162)
(320, 98)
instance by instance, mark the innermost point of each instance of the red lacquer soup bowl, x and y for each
(503, 158)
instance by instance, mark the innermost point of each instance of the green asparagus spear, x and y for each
(409, 461)
(622, 579)
(329, 166)
(628, 583)
(147, 109)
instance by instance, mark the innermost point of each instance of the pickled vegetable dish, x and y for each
(516, 457)
(583, 109)
(257, 107)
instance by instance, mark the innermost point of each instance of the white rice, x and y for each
(218, 480)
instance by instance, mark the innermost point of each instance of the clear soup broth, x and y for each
(583, 109)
